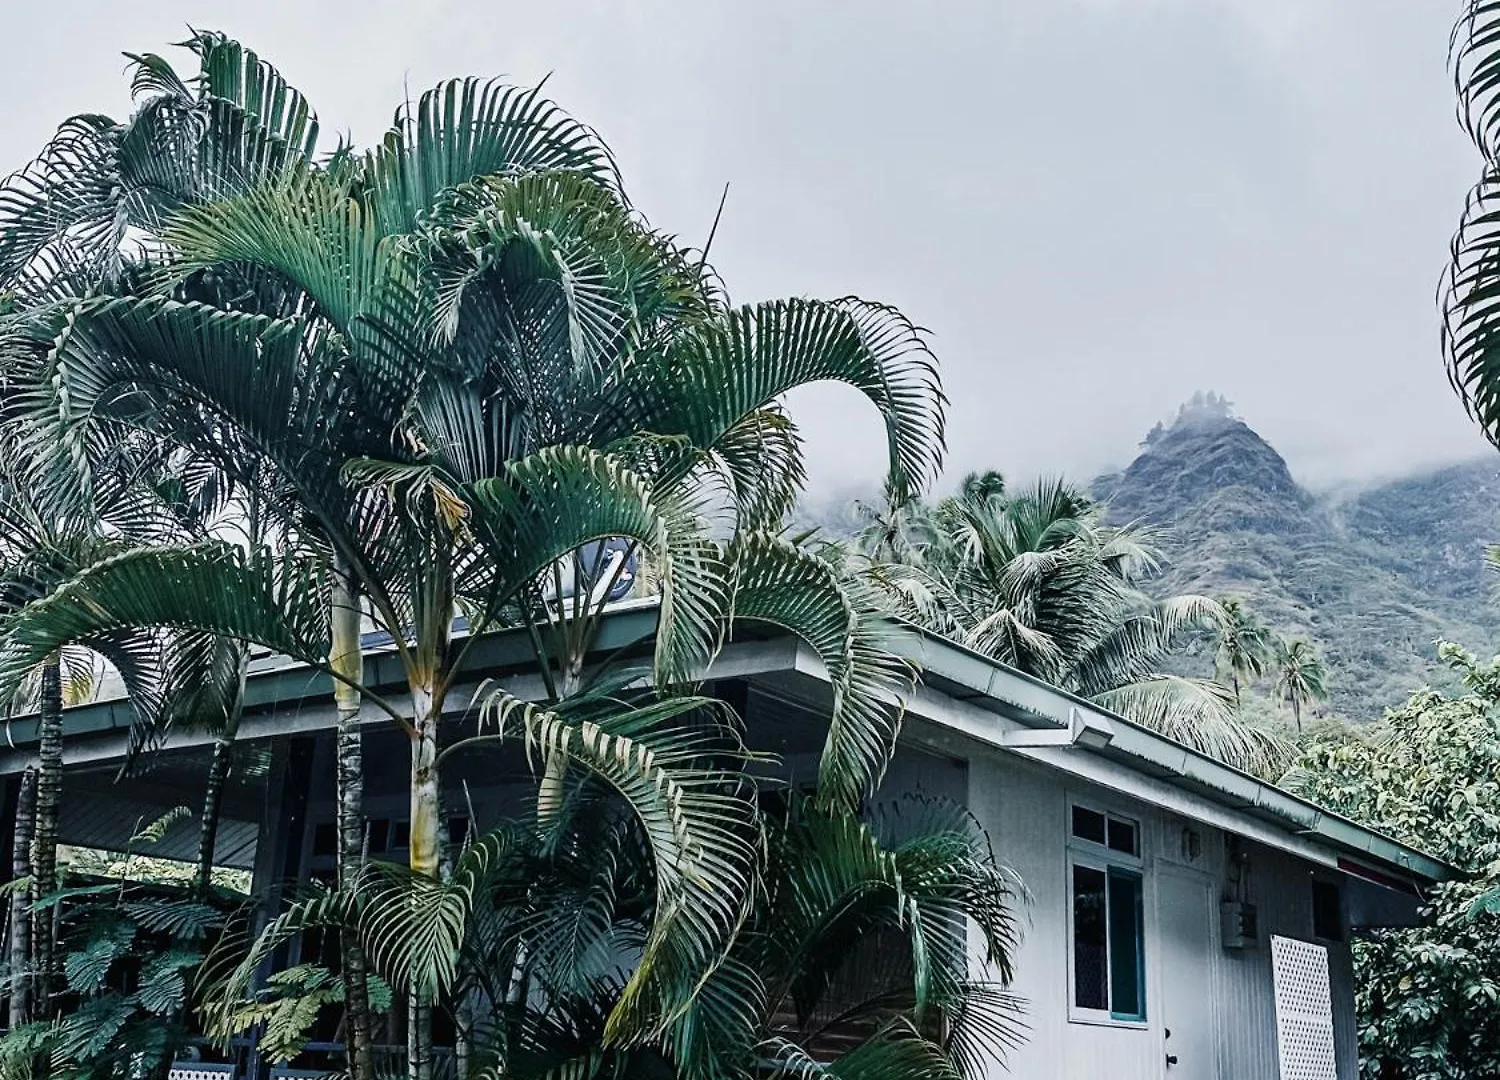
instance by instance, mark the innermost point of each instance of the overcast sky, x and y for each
(1096, 206)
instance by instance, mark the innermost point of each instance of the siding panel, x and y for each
(1024, 808)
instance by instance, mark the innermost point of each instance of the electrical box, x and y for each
(1237, 924)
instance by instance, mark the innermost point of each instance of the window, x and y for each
(1108, 918)
(1327, 911)
(1116, 833)
(1090, 824)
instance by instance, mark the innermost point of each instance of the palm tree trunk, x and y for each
(426, 806)
(208, 829)
(20, 907)
(347, 659)
(44, 842)
(1297, 712)
(425, 853)
(218, 773)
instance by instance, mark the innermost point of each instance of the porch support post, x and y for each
(279, 847)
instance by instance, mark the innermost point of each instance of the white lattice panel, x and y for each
(198, 1070)
(1304, 1010)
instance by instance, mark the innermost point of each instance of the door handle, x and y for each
(1171, 1059)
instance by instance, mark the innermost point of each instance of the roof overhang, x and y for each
(965, 701)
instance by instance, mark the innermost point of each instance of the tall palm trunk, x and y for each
(44, 842)
(218, 773)
(213, 797)
(347, 659)
(1297, 712)
(425, 853)
(426, 815)
(20, 906)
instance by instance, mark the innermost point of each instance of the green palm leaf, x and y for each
(561, 498)
(1467, 295)
(724, 368)
(1201, 714)
(468, 128)
(762, 458)
(272, 109)
(698, 824)
(279, 602)
(777, 583)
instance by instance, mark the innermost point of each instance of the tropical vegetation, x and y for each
(398, 391)
(1036, 579)
(267, 395)
(1426, 775)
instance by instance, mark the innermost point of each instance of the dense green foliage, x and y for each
(1037, 580)
(853, 942)
(129, 954)
(439, 370)
(1429, 774)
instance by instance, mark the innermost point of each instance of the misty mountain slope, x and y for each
(1375, 579)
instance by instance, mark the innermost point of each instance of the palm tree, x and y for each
(1245, 646)
(18, 951)
(37, 552)
(467, 358)
(1466, 295)
(94, 204)
(1301, 676)
(853, 943)
(1036, 580)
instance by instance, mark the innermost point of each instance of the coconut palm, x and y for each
(467, 357)
(1301, 676)
(1245, 649)
(1036, 580)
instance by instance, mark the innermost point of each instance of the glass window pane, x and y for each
(1122, 836)
(1127, 986)
(1328, 911)
(1090, 948)
(1088, 824)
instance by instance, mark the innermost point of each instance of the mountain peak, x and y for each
(1374, 578)
(1206, 454)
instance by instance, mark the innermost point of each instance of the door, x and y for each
(1185, 905)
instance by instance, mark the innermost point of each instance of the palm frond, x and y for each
(283, 124)
(278, 602)
(555, 501)
(1475, 64)
(1201, 714)
(723, 368)
(762, 457)
(1136, 646)
(777, 583)
(68, 195)
(464, 129)
(697, 821)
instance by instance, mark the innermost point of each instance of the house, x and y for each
(1186, 921)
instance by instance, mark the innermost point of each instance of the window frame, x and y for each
(1110, 862)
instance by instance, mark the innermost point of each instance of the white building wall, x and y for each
(1025, 809)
